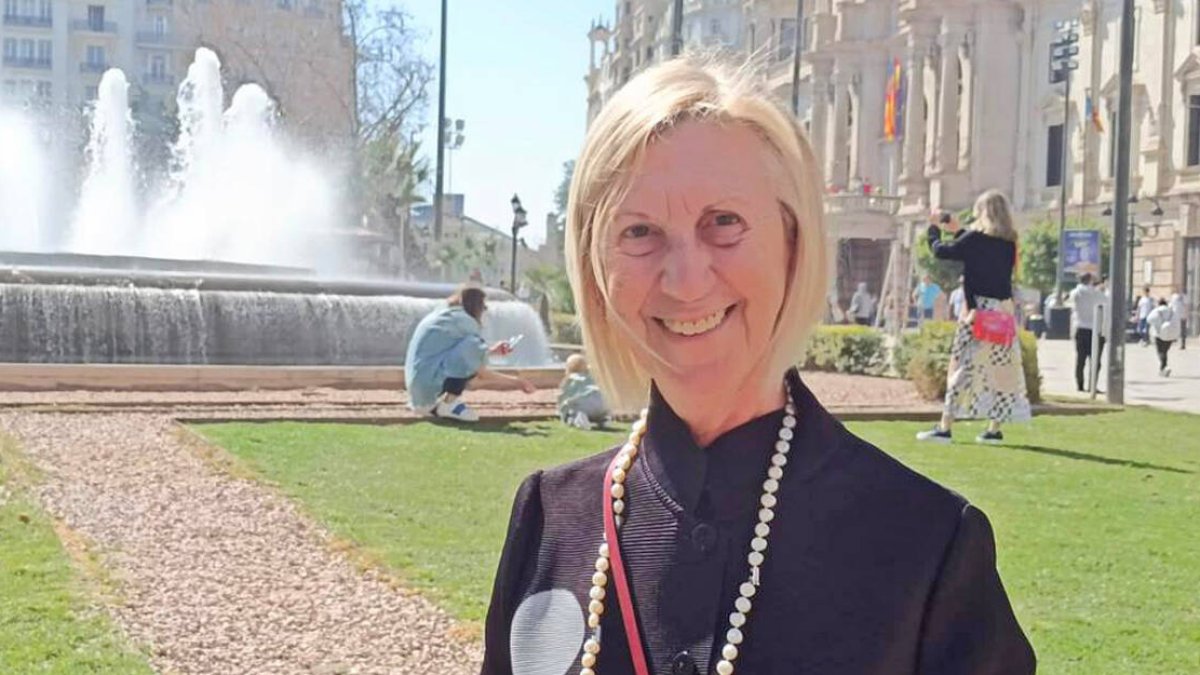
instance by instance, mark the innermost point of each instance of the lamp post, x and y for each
(677, 28)
(1062, 63)
(1116, 353)
(519, 222)
(437, 180)
(798, 44)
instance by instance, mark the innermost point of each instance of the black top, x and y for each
(870, 568)
(988, 262)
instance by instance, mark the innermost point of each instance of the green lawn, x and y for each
(1095, 517)
(47, 622)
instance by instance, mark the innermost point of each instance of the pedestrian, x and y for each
(985, 379)
(1179, 307)
(924, 296)
(1164, 328)
(1145, 305)
(958, 301)
(862, 305)
(447, 350)
(1083, 301)
(696, 249)
(580, 401)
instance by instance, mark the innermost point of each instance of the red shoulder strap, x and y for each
(621, 582)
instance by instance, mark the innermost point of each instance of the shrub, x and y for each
(565, 329)
(856, 350)
(924, 358)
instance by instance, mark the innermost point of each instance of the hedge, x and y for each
(857, 350)
(924, 358)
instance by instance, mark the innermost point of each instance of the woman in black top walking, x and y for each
(985, 379)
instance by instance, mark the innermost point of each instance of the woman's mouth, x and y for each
(698, 326)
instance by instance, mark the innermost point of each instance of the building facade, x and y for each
(976, 110)
(54, 52)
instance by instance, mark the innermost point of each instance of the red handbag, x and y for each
(990, 325)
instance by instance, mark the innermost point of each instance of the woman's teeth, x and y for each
(697, 327)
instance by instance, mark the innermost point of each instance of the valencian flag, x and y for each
(1093, 114)
(893, 104)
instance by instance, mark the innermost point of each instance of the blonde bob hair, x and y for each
(644, 110)
(993, 216)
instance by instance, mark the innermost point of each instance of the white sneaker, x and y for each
(455, 410)
(1165, 372)
(581, 421)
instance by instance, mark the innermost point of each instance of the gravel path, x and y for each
(220, 575)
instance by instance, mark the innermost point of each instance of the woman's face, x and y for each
(697, 255)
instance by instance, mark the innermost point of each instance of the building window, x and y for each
(27, 47)
(1054, 155)
(1193, 131)
(44, 50)
(283, 4)
(158, 66)
(10, 49)
(95, 56)
(787, 39)
(10, 7)
(90, 93)
(95, 17)
(160, 25)
(649, 54)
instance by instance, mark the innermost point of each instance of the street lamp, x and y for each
(1136, 232)
(519, 222)
(1062, 62)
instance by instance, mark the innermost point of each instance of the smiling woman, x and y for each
(696, 250)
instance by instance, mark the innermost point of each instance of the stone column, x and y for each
(912, 174)
(818, 134)
(868, 111)
(946, 143)
(966, 101)
(838, 154)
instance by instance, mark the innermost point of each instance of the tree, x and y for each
(551, 281)
(1039, 251)
(390, 81)
(561, 197)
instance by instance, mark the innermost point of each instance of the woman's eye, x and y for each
(640, 239)
(725, 229)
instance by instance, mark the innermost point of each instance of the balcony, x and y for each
(29, 21)
(89, 26)
(162, 39)
(158, 79)
(87, 67)
(30, 62)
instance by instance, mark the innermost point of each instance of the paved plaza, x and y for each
(1143, 385)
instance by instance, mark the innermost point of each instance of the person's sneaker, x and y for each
(936, 434)
(581, 421)
(990, 437)
(1165, 372)
(455, 409)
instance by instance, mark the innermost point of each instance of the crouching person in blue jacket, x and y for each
(446, 352)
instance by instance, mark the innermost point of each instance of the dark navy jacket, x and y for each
(871, 568)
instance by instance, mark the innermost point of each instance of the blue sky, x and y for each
(515, 73)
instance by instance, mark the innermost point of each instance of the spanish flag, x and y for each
(893, 104)
(1093, 113)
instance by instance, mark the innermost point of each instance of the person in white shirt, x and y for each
(1164, 328)
(1083, 301)
(1179, 306)
(958, 301)
(1145, 305)
(862, 305)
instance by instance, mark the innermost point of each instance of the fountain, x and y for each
(229, 264)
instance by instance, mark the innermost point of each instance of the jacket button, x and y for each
(704, 537)
(683, 664)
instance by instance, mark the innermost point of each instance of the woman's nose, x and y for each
(687, 273)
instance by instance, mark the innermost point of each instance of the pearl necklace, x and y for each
(758, 545)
